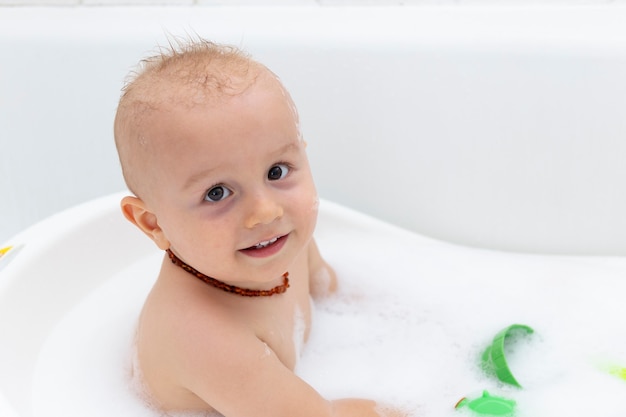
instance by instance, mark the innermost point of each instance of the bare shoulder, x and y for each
(322, 277)
(178, 333)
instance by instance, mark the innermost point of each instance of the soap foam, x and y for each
(407, 326)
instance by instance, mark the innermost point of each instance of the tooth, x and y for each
(266, 243)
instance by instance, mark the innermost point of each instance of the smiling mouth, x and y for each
(266, 247)
(265, 244)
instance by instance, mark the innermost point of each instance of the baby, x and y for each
(210, 146)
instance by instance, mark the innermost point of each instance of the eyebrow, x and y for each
(291, 146)
(199, 176)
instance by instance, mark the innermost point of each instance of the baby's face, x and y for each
(233, 192)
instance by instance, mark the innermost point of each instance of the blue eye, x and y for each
(277, 172)
(217, 193)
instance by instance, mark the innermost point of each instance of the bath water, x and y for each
(408, 326)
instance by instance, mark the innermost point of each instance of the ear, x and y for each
(137, 213)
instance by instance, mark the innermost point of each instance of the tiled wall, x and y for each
(293, 2)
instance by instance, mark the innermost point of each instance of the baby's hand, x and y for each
(392, 412)
(387, 410)
(322, 278)
(364, 408)
(323, 281)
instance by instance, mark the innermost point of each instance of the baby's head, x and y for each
(209, 143)
(185, 76)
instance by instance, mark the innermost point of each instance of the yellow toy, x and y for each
(610, 368)
(4, 251)
(617, 371)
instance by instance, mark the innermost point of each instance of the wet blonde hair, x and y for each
(185, 73)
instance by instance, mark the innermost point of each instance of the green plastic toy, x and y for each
(494, 360)
(489, 405)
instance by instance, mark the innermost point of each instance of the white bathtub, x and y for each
(493, 127)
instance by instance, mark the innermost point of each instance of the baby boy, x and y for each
(210, 147)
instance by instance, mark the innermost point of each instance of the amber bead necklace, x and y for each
(244, 292)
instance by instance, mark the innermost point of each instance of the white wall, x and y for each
(494, 127)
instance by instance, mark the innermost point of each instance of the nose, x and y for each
(263, 210)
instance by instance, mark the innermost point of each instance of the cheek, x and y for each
(311, 198)
(308, 206)
(314, 199)
(185, 232)
(202, 246)
(316, 204)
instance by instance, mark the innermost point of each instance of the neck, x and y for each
(244, 292)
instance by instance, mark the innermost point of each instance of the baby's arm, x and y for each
(322, 278)
(240, 376)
